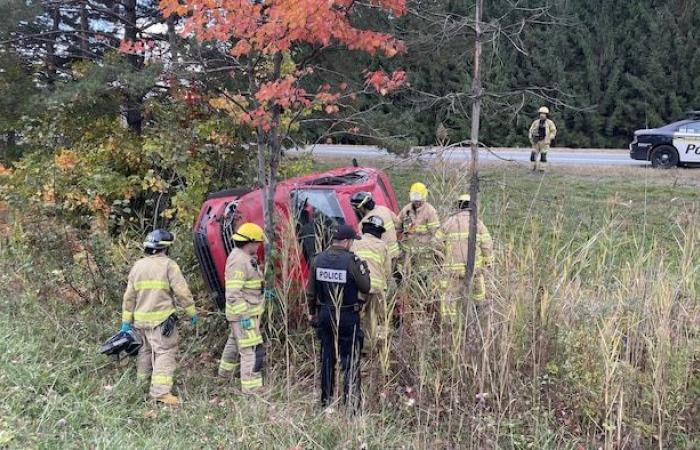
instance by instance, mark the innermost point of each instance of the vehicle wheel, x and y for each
(664, 157)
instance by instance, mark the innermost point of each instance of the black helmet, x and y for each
(374, 225)
(362, 199)
(124, 341)
(158, 240)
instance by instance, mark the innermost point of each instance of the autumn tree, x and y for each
(262, 40)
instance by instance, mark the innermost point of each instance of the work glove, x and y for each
(194, 320)
(246, 323)
(269, 294)
(126, 327)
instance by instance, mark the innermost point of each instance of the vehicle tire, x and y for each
(664, 157)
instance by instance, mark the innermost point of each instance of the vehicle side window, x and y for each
(690, 128)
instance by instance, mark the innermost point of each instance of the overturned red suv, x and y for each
(307, 202)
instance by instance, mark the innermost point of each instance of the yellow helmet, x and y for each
(418, 192)
(464, 198)
(544, 110)
(249, 232)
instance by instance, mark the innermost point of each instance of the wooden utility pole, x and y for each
(477, 92)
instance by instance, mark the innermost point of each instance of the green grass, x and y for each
(594, 340)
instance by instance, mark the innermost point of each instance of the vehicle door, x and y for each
(687, 141)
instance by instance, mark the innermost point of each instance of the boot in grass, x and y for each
(169, 400)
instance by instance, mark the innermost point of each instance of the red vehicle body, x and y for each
(323, 197)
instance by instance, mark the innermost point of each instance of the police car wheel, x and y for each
(664, 157)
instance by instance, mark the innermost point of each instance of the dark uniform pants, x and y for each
(342, 334)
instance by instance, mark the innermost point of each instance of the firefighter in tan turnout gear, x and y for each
(453, 236)
(364, 204)
(372, 250)
(244, 307)
(542, 133)
(418, 222)
(155, 287)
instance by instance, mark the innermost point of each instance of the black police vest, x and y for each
(334, 283)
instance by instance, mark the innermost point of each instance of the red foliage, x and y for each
(271, 26)
(275, 25)
(383, 82)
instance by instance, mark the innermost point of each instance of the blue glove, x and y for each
(246, 324)
(194, 320)
(126, 326)
(270, 294)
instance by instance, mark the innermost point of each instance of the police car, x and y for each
(676, 144)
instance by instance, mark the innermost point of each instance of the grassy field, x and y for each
(593, 340)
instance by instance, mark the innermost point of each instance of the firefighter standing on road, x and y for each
(337, 277)
(454, 237)
(244, 307)
(155, 286)
(373, 251)
(364, 204)
(418, 222)
(542, 134)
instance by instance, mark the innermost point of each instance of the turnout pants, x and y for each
(375, 322)
(452, 293)
(341, 336)
(244, 347)
(539, 152)
(156, 359)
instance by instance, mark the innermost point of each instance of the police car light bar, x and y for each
(694, 115)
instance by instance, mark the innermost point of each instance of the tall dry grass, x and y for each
(590, 336)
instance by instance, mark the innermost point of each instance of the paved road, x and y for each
(557, 156)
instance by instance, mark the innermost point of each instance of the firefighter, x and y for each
(542, 134)
(244, 307)
(337, 278)
(375, 253)
(364, 204)
(418, 222)
(454, 236)
(155, 287)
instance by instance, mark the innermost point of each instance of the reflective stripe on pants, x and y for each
(158, 357)
(246, 341)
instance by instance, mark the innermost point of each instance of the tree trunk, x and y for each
(134, 103)
(84, 29)
(269, 156)
(477, 92)
(275, 147)
(51, 58)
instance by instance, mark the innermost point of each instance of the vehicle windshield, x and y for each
(675, 125)
(317, 212)
(323, 202)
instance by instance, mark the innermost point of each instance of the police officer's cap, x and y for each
(344, 232)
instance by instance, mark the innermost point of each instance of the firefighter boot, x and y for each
(543, 162)
(533, 159)
(169, 400)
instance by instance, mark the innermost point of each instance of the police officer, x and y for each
(337, 277)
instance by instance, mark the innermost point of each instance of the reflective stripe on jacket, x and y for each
(419, 224)
(375, 253)
(454, 237)
(154, 288)
(391, 221)
(244, 284)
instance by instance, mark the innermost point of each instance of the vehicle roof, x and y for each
(672, 126)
